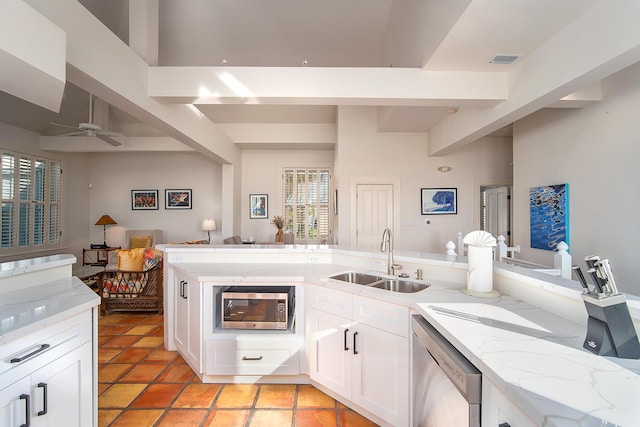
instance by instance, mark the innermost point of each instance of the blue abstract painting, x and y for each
(549, 208)
(439, 201)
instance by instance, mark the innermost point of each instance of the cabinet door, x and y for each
(180, 316)
(329, 345)
(187, 321)
(62, 391)
(381, 374)
(194, 328)
(13, 409)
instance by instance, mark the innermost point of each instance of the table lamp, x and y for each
(104, 221)
(209, 225)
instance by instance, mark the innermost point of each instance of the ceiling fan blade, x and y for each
(111, 134)
(64, 126)
(81, 132)
(108, 139)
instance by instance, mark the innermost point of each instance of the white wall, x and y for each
(113, 176)
(365, 156)
(262, 174)
(596, 151)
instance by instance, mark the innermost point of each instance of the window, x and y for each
(306, 202)
(31, 188)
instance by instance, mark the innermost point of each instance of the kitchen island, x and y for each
(535, 371)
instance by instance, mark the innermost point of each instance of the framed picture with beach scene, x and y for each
(438, 201)
(258, 206)
(143, 200)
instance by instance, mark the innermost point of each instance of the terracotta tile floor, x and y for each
(142, 384)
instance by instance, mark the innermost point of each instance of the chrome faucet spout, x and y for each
(387, 246)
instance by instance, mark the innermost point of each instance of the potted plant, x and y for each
(278, 221)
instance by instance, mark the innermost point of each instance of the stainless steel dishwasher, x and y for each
(447, 387)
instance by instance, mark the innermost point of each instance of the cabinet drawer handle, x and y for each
(183, 289)
(251, 358)
(354, 343)
(346, 347)
(43, 386)
(42, 348)
(27, 406)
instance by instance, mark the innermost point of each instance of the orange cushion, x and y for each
(140, 242)
(130, 259)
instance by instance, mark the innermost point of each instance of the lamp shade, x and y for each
(105, 220)
(209, 225)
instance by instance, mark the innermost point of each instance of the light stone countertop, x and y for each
(25, 309)
(531, 355)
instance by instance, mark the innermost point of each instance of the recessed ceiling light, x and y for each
(451, 110)
(444, 168)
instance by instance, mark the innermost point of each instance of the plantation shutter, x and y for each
(306, 203)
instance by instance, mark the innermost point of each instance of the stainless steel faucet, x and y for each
(387, 246)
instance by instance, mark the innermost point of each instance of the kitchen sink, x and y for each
(396, 285)
(359, 278)
(403, 286)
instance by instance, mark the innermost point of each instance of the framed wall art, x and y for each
(259, 206)
(549, 211)
(142, 200)
(438, 201)
(177, 199)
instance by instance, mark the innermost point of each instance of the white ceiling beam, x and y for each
(32, 55)
(325, 86)
(281, 133)
(144, 18)
(88, 144)
(602, 41)
(99, 62)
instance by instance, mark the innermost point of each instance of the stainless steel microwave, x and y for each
(267, 307)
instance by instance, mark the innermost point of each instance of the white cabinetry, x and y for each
(359, 348)
(187, 319)
(498, 409)
(251, 355)
(47, 376)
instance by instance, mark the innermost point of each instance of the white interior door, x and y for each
(374, 213)
(497, 212)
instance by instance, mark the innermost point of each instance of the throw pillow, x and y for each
(140, 242)
(152, 257)
(130, 259)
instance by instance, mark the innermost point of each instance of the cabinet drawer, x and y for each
(329, 301)
(253, 362)
(381, 315)
(43, 346)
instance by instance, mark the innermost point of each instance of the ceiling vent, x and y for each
(502, 59)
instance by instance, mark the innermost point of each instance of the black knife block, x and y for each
(610, 330)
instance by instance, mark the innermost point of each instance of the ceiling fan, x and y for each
(90, 129)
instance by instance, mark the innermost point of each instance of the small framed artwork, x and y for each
(438, 201)
(259, 206)
(143, 200)
(549, 216)
(177, 199)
